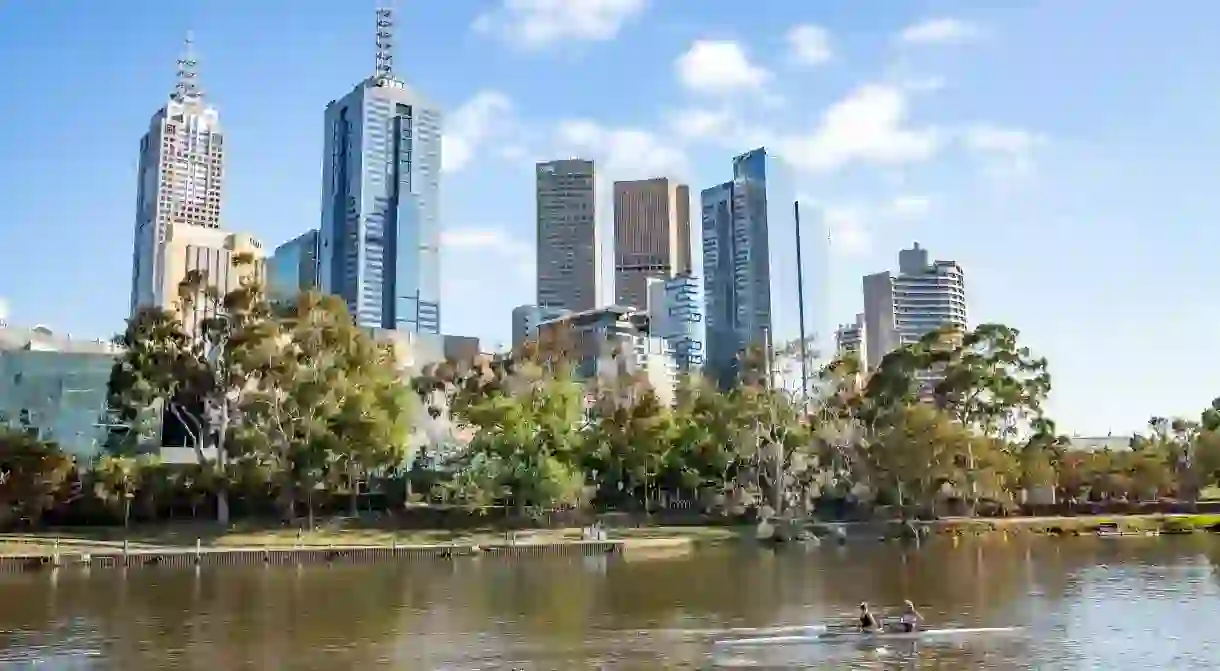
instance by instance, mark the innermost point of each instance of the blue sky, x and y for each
(1063, 153)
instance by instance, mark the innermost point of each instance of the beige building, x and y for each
(212, 252)
(651, 236)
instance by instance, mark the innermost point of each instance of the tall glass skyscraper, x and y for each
(736, 265)
(380, 229)
(293, 267)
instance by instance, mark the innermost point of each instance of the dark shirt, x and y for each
(867, 621)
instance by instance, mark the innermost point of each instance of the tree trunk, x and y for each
(222, 495)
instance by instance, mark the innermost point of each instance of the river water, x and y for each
(1111, 604)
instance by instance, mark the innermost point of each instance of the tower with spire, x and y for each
(179, 194)
(379, 242)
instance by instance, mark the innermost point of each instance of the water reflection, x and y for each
(1104, 603)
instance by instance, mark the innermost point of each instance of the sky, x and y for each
(1063, 153)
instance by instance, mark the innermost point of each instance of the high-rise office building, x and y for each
(214, 253)
(181, 174)
(736, 265)
(675, 313)
(850, 340)
(293, 267)
(651, 236)
(900, 308)
(568, 259)
(380, 228)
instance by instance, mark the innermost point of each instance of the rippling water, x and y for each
(1123, 603)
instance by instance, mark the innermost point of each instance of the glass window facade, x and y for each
(59, 396)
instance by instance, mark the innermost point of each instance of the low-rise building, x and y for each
(55, 387)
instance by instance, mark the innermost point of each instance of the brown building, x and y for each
(651, 236)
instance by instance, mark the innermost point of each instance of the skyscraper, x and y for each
(921, 297)
(568, 269)
(181, 172)
(651, 236)
(380, 228)
(293, 267)
(736, 265)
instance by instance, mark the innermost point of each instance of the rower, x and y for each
(867, 621)
(910, 617)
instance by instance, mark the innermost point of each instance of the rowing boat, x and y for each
(833, 636)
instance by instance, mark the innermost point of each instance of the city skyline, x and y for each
(989, 151)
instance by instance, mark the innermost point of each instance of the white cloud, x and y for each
(487, 115)
(467, 239)
(847, 228)
(719, 67)
(941, 30)
(868, 126)
(909, 206)
(533, 24)
(988, 138)
(624, 153)
(697, 123)
(3, 308)
(1008, 152)
(809, 44)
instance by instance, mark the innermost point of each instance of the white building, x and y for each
(181, 174)
(850, 339)
(901, 308)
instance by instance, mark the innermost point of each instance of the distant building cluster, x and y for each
(377, 246)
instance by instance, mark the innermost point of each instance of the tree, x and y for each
(117, 480)
(923, 450)
(528, 439)
(628, 439)
(33, 476)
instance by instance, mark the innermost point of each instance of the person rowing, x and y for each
(910, 617)
(868, 623)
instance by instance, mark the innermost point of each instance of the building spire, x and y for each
(187, 86)
(385, 41)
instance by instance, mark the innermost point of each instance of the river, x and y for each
(1121, 603)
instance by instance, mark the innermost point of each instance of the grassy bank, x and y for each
(1068, 526)
(85, 539)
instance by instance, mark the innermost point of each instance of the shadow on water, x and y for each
(1084, 603)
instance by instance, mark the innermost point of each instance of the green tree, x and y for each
(628, 440)
(33, 476)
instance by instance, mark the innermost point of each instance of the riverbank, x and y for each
(235, 546)
(1078, 525)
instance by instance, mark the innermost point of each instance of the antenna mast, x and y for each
(385, 43)
(187, 86)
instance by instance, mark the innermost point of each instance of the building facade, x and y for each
(736, 265)
(380, 227)
(611, 343)
(651, 236)
(180, 183)
(293, 267)
(526, 319)
(55, 388)
(225, 260)
(675, 313)
(850, 340)
(921, 297)
(568, 258)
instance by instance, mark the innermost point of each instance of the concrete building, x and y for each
(736, 265)
(651, 236)
(212, 252)
(568, 257)
(180, 180)
(609, 343)
(526, 319)
(675, 313)
(850, 339)
(380, 227)
(55, 387)
(900, 308)
(293, 267)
